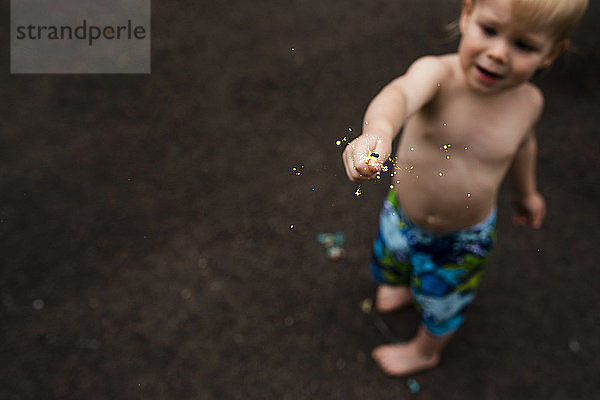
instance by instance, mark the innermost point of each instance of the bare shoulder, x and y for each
(531, 100)
(439, 67)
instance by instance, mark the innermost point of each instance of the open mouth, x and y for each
(488, 74)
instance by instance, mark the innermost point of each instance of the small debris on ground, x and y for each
(333, 243)
(413, 385)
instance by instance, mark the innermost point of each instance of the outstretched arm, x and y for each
(387, 113)
(529, 205)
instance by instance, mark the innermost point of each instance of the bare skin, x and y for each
(468, 122)
(391, 298)
(420, 354)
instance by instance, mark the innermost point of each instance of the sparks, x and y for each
(297, 170)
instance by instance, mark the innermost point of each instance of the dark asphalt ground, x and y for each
(158, 243)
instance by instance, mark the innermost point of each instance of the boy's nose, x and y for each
(498, 51)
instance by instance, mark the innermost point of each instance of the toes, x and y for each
(379, 355)
(387, 357)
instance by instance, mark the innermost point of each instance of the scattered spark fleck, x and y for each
(358, 192)
(441, 173)
(412, 149)
(371, 160)
(384, 168)
(468, 194)
(466, 148)
(349, 129)
(444, 124)
(391, 186)
(313, 188)
(446, 149)
(366, 123)
(298, 171)
(293, 49)
(291, 226)
(439, 85)
(338, 142)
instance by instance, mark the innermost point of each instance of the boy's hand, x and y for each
(364, 157)
(530, 210)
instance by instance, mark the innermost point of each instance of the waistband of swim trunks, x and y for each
(489, 220)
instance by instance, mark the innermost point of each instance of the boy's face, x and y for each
(498, 52)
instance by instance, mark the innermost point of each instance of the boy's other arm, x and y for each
(529, 205)
(388, 111)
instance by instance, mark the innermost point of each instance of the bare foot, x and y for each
(390, 298)
(403, 359)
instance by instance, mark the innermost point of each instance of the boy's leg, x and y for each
(419, 354)
(390, 298)
(442, 293)
(390, 266)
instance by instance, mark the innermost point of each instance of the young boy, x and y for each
(468, 121)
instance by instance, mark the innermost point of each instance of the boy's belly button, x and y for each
(431, 220)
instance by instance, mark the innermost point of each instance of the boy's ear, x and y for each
(467, 5)
(464, 15)
(555, 52)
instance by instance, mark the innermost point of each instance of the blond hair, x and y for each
(560, 16)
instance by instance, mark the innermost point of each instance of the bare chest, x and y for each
(467, 129)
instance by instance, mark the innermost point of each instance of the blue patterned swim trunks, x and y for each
(442, 270)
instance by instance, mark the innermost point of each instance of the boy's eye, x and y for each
(524, 46)
(488, 30)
